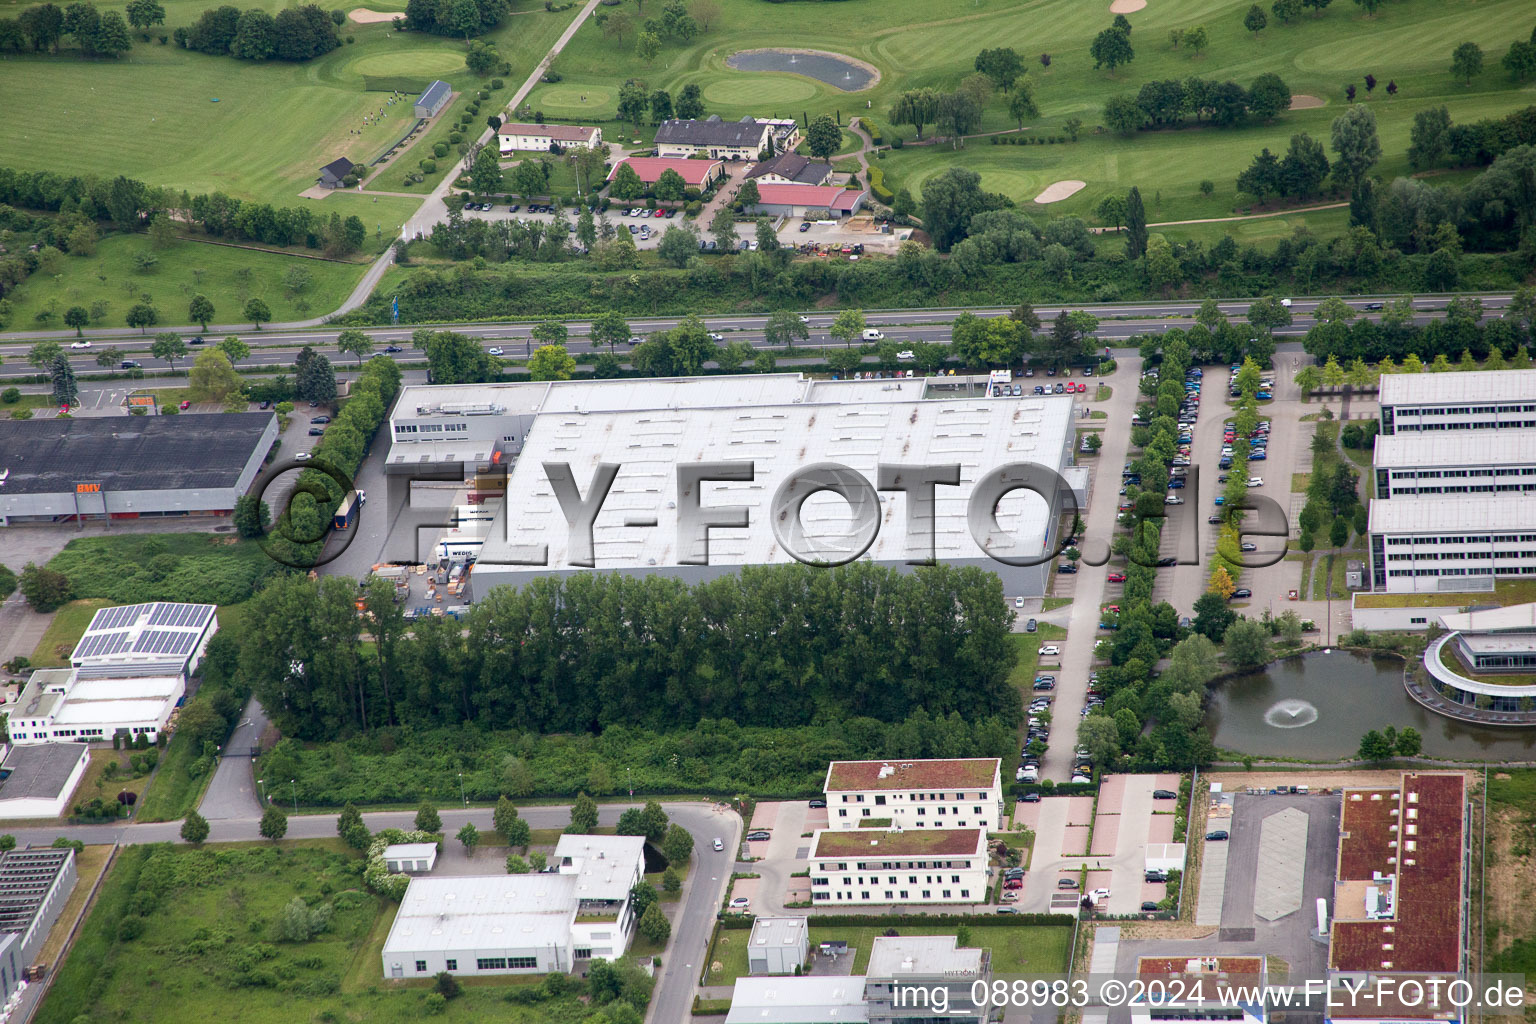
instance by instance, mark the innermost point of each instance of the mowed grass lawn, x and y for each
(229, 277)
(933, 43)
(151, 114)
(64, 632)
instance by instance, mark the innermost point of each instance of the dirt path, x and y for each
(1246, 216)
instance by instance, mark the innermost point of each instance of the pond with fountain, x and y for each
(1316, 707)
(836, 70)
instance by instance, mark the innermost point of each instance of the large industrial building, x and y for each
(521, 924)
(126, 676)
(129, 467)
(1400, 902)
(776, 423)
(939, 793)
(1479, 400)
(1481, 462)
(35, 883)
(37, 779)
(1430, 545)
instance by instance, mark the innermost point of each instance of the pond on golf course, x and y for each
(829, 68)
(1316, 706)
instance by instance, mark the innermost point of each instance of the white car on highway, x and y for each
(495, 350)
(79, 344)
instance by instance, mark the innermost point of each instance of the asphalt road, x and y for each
(277, 348)
(691, 926)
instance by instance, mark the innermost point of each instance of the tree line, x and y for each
(42, 28)
(1341, 334)
(1165, 103)
(131, 204)
(776, 646)
(453, 17)
(295, 34)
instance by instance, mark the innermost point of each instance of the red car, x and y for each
(185, 406)
(1014, 883)
(1116, 577)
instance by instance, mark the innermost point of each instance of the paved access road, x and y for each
(691, 926)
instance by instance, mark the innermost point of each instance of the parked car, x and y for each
(805, 225)
(184, 406)
(1164, 794)
(1116, 577)
(1242, 592)
(1030, 626)
(1066, 883)
(1030, 798)
(1218, 836)
(1067, 568)
(719, 844)
(740, 903)
(818, 802)
(1148, 905)
(319, 419)
(316, 431)
(302, 457)
(1008, 910)
(758, 837)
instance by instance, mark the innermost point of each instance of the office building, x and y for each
(880, 866)
(954, 793)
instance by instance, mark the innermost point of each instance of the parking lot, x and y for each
(1279, 861)
(1103, 849)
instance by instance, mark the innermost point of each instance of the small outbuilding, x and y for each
(803, 200)
(778, 945)
(335, 173)
(434, 99)
(36, 780)
(410, 858)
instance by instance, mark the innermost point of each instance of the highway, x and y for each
(276, 348)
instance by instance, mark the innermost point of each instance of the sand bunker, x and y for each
(1305, 102)
(1056, 192)
(1126, 6)
(363, 16)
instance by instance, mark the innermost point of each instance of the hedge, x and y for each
(877, 186)
(872, 128)
(737, 922)
(1060, 789)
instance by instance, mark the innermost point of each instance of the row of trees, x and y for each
(296, 33)
(130, 204)
(774, 646)
(1166, 102)
(635, 103)
(1341, 334)
(97, 34)
(1436, 139)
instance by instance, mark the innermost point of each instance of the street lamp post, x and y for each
(462, 794)
(295, 787)
(262, 790)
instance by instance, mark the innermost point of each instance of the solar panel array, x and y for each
(165, 641)
(101, 644)
(115, 618)
(191, 616)
(158, 628)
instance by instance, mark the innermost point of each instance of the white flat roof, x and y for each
(925, 955)
(779, 931)
(109, 712)
(1515, 616)
(410, 851)
(979, 435)
(523, 397)
(604, 866)
(1478, 387)
(89, 691)
(1497, 513)
(483, 913)
(815, 1000)
(1456, 448)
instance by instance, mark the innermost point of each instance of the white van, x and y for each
(870, 334)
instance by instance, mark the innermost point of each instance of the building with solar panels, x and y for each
(126, 676)
(35, 884)
(129, 467)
